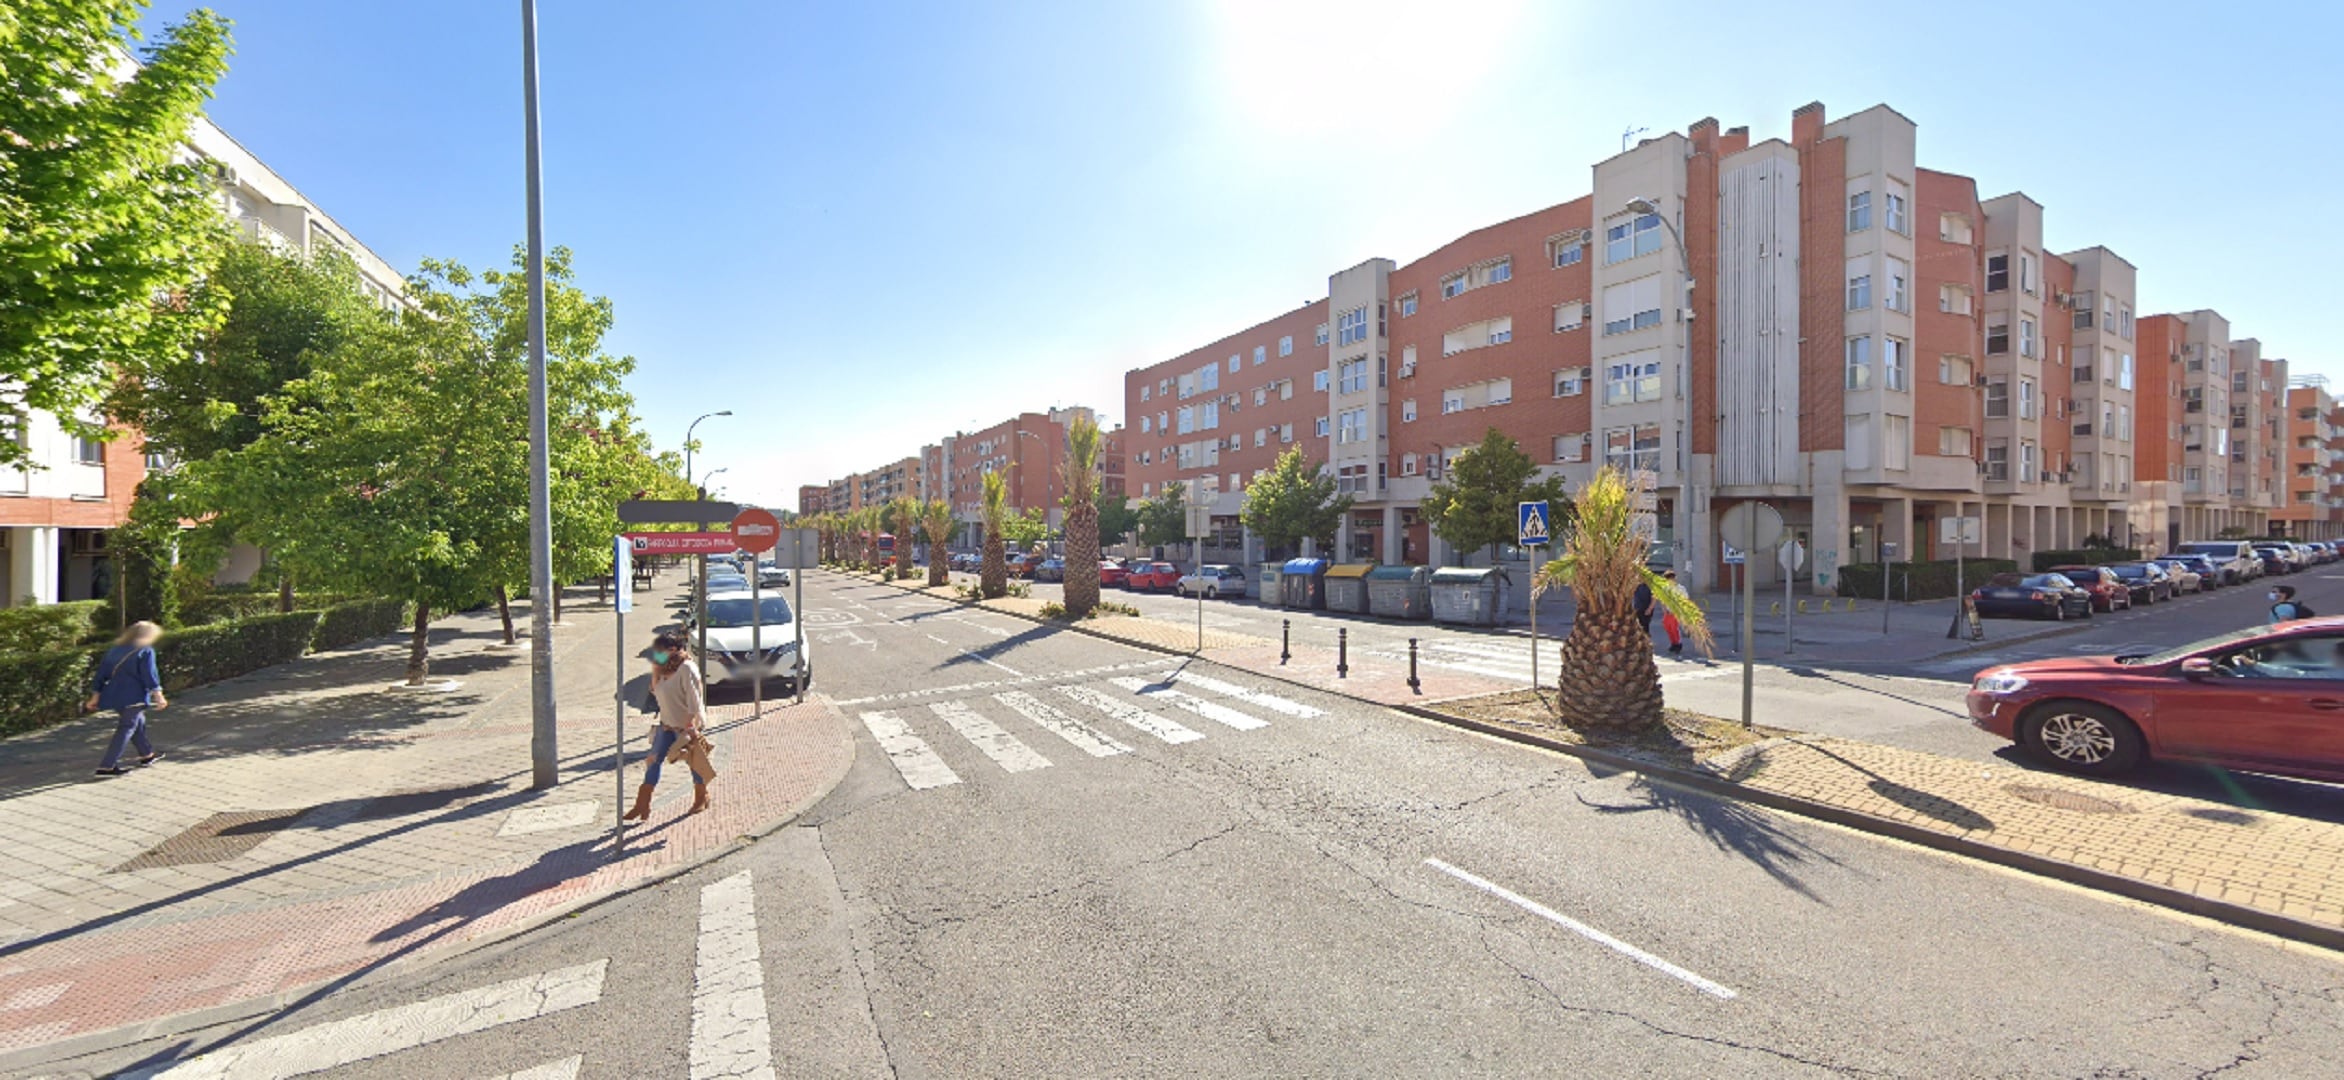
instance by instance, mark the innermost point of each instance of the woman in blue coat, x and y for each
(128, 682)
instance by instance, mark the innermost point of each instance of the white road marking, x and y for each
(992, 684)
(919, 765)
(1272, 702)
(1057, 723)
(1161, 727)
(1218, 713)
(405, 1027)
(730, 1034)
(1582, 929)
(987, 736)
(565, 1069)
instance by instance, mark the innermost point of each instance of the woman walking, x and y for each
(676, 688)
(128, 682)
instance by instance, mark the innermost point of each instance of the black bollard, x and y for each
(1412, 683)
(1343, 653)
(1285, 640)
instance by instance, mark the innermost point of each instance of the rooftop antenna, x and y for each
(1630, 134)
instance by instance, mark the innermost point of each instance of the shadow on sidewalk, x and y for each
(1911, 798)
(2254, 794)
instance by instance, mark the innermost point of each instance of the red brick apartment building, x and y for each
(1816, 322)
(1029, 449)
(2314, 504)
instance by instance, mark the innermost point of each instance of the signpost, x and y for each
(1200, 525)
(622, 570)
(1961, 532)
(1791, 556)
(799, 550)
(755, 531)
(1734, 560)
(1759, 527)
(1533, 528)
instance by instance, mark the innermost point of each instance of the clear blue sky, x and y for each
(863, 226)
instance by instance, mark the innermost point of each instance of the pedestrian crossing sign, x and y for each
(1533, 528)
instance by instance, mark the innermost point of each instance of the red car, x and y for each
(1153, 577)
(1112, 573)
(2268, 699)
(2109, 592)
(1022, 565)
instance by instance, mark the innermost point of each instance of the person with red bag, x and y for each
(1668, 621)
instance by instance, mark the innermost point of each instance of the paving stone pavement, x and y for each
(308, 824)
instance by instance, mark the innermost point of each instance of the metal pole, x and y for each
(1534, 684)
(618, 742)
(1749, 615)
(543, 771)
(1285, 640)
(1343, 653)
(797, 622)
(756, 637)
(1961, 592)
(1789, 644)
(1413, 684)
(1885, 568)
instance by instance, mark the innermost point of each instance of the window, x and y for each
(1570, 252)
(1900, 276)
(2124, 320)
(1286, 432)
(1501, 391)
(1408, 303)
(2123, 423)
(1187, 419)
(1859, 350)
(1631, 378)
(2083, 310)
(1860, 283)
(1453, 286)
(1997, 273)
(2026, 399)
(1143, 425)
(1501, 331)
(1953, 299)
(1859, 210)
(1322, 427)
(1632, 449)
(1893, 366)
(1143, 392)
(1163, 420)
(1407, 361)
(1352, 377)
(1210, 418)
(1286, 345)
(1631, 237)
(1569, 383)
(1407, 464)
(1997, 398)
(2124, 371)
(1953, 441)
(1235, 362)
(1893, 209)
(1261, 395)
(1452, 401)
(1954, 370)
(1997, 459)
(88, 451)
(1502, 270)
(1997, 335)
(1351, 426)
(1318, 381)
(1856, 442)
(1322, 334)
(2026, 272)
(1261, 438)
(1408, 411)
(1631, 305)
(1351, 327)
(1571, 447)
(1209, 378)
(2026, 337)
(2026, 463)
(1953, 228)
(1261, 355)
(1570, 315)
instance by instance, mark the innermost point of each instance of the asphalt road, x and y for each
(1031, 870)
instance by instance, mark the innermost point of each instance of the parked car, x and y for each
(720, 583)
(2278, 558)
(2322, 552)
(1154, 577)
(772, 576)
(2210, 574)
(2263, 699)
(2187, 578)
(2236, 559)
(2147, 581)
(1023, 565)
(2031, 596)
(1213, 580)
(2109, 593)
(1111, 573)
(1050, 569)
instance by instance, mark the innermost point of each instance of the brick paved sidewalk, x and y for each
(308, 825)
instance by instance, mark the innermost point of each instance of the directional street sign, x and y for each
(1532, 524)
(1200, 521)
(623, 575)
(674, 512)
(683, 543)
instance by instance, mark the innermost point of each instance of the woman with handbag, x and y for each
(677, 691)
(128, 682)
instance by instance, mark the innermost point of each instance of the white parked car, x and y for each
(732, 659)
(771, 576)
(1212, 580)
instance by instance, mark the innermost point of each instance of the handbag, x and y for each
(694, 752)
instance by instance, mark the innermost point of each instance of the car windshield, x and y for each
(735, 611)
(2005, 581)
(2200, 645)
(2130, 571)
(2047, 581)
(2218, 550)
(721, 582)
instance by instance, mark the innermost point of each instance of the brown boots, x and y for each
(642, 804)
(699, 798)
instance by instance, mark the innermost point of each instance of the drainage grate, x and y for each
(2062, 799)
(218, 838)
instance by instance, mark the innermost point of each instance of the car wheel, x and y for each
(2082, 737)
(1212, 593)
(2059, 611)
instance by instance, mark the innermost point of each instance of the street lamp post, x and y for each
(544, 771)
(695, 426)
(1689, 567)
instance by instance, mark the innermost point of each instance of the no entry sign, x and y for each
(755, 530)
(682, 543)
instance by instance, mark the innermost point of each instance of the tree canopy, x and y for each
(1163, 518)
(1292, 502)
(1473, 507)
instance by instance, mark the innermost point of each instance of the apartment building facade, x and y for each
(55, 516)
(1028, 449)
(813, 498)
(2313, 504)
(1818, 322)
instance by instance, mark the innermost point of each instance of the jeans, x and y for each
(131, 728)
(663, 739)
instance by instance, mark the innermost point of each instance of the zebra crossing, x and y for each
(1012, 728)
(1509, 659)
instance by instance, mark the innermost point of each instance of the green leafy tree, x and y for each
(1163, 519)
(1082, 516)
(99, 212)
(1117, 519)
(1294, 501)
(1475, 505)
(1024, 531)
(993, 574)
(1607, 675)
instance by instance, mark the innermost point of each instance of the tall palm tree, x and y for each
(936, 524)
(993, 576)
(1609, 678)
(904, 515)
(1082, 516)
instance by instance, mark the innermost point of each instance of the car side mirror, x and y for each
(2197, 667)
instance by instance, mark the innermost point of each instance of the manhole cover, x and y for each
(2062, 799)
(218, 838)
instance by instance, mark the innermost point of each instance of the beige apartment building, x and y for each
(1817, 322)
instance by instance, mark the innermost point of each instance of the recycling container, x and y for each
(1400, 592)
(1347, 587)
(1468, 597)
(1303, 583)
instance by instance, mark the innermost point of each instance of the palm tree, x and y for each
(1608, 675)
(993, 576)
(904, 513)
(936, 524)
(1082, 516)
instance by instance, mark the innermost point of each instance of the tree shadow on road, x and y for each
(1729, 826)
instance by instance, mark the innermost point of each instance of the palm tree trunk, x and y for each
(1609, 678)
(1082, 558)
(993, 577)
(419, 646)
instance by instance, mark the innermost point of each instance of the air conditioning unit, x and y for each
(2066, 299)
(1408, 371)
(226, 174)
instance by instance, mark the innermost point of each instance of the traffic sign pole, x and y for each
(755, 531)
(1531, 532)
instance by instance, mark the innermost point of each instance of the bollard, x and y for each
(1851, 605)
(1343, 653)
(1802, 607)
(1412, 683)
(1774, 608)
(1285, 640)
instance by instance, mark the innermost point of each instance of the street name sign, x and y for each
(683, 543)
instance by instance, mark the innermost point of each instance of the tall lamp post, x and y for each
(544, 771)
(1684, 307)
(695, 426)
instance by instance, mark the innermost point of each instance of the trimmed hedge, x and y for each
(2045, 560)
(222, 607)
(1919, 580)
(39, 687)
(42, 627)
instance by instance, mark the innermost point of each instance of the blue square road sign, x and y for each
(1533, 525)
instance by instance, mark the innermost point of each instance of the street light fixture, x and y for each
(695, 426)
(544, 756)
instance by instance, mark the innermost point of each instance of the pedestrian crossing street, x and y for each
(1509, 659)
(1016, 730)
